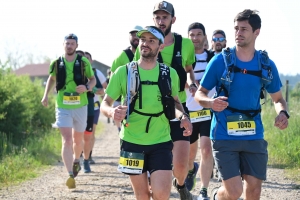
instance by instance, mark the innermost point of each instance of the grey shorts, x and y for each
(239, 157)
(74, 118)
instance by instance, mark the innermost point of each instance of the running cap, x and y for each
(197, 25)
(136, 28)
(218, 31)
(71, 36)
(165, 6)
(154, 31)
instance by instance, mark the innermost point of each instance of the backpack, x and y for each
(177, 61)
(129, 54)
(264, 73)
(78, 73)
(134, 90)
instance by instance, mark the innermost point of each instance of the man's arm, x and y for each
(49, 85)
(218, 104)
(191, 79)
(118, 113)
(182, 116)
(281, 121)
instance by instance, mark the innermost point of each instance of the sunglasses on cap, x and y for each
(221, 39)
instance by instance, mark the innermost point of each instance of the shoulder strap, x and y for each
(129, 54)
(210, 55)
(164, 80)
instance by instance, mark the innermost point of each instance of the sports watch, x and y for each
(285, 112)
(87, 87)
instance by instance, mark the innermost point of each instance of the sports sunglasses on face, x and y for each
(221, 39)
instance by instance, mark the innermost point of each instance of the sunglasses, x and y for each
(221, 39)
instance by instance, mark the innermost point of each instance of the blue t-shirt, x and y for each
(244, 94)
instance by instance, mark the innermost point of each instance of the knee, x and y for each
(255, 192)
(235, 193)
(142, 195)
(206, 152)
(67, 141)
(160, 195)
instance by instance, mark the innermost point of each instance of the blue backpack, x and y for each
(264, 72)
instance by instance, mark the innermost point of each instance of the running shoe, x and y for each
(91, 160)
(71, 182)
(86, 166)
(203, 194)
(76, 168)
(183, 193)
(190, 180)
(213, 194)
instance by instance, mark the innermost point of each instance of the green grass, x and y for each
(284, 145)
(26, 162)
(29, 161)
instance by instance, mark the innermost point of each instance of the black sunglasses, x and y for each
(221, 39)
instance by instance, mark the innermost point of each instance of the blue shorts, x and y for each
(239, 157)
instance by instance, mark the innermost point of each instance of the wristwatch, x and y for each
(87, 87)
(193, 84)
(181, 116)
(285, 112)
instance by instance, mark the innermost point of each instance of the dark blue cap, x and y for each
(71, 36)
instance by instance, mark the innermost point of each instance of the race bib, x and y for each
(240, 125)
(200, 115)
(97, 105)
(71, 98)
(131, 163)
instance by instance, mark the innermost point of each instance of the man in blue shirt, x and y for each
(237, 135)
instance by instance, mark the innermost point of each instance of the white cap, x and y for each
(136, 28)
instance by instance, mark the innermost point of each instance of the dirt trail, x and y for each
(105, 182)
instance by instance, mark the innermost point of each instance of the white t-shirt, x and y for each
(199, 70)
(102, 79)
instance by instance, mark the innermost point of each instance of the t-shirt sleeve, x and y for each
(88, 67)
(116, 83)
(122, 59)
(190, 50)
(52, 71)
(101, 76)
(213, 72)
(275, 84)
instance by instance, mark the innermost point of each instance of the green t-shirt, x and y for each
(188, 58)
(122, 59)
(159, 128)
(66, 93)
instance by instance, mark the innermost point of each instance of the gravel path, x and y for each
(105, 182)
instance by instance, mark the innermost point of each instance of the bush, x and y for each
(21, 113)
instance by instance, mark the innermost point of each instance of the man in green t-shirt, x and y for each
(145, 136)
(73, 76)
(180, 59)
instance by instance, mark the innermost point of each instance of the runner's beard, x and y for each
(71, 54)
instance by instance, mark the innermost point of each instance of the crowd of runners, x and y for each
(167, 94)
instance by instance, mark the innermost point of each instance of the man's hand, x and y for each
(281, 121)
(219, 104)
(44, 101)
(118, 113)
(187, 125)
(193, 89)
(81, 89)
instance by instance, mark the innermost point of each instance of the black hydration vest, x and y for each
(129, 54)
(177, 61)
(165, 88)
(61, 73)
(210, 55)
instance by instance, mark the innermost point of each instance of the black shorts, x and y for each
(89, 124)
(156, 156)
(176, 131)
(200, 127)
